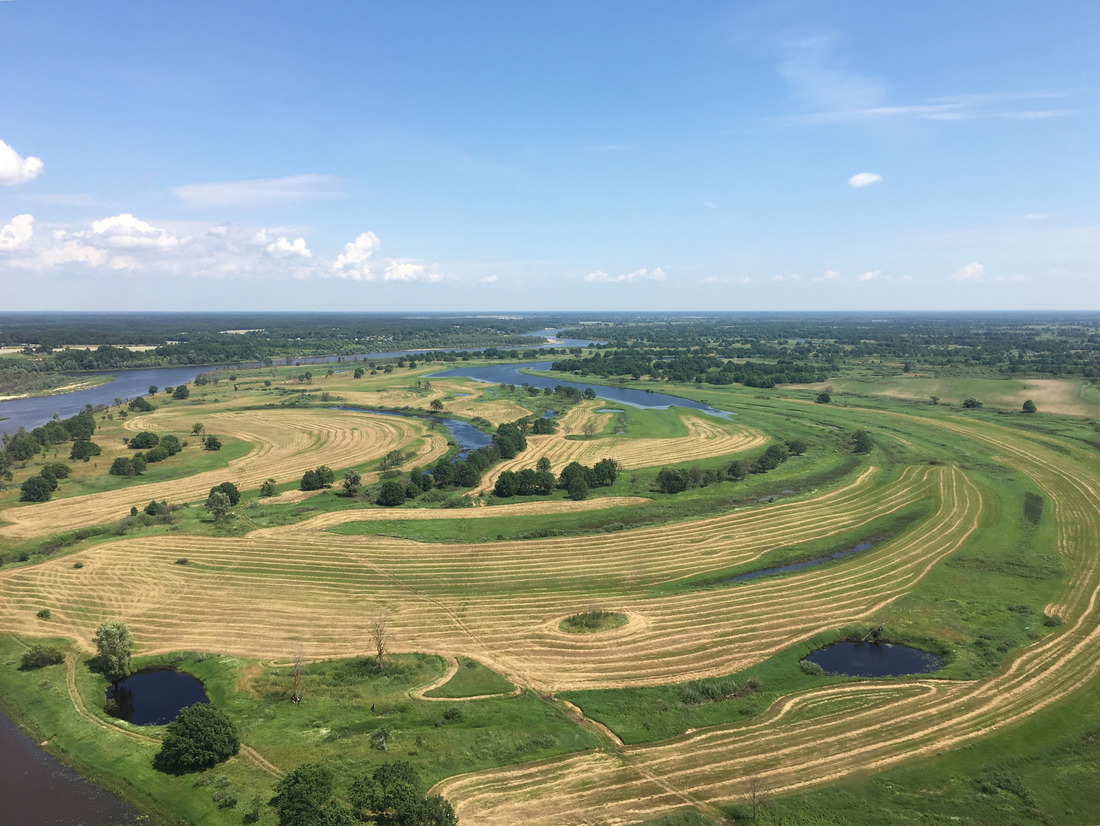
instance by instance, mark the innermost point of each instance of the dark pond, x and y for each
(36, 789)
(879, 659)
(510, 374)
(154, 696)
(465, 435)
(859, 547)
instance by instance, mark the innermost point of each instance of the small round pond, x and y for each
(154, 696)
(880, 659)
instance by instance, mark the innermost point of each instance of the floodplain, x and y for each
(689, 704)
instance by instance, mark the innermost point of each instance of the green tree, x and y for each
(217, 503)
(153, 389)
(391, 494)
(201, 736)
(861, 442)
(578, 489)
(113, 645)
(505, 486)
(326, 475)
(212, 443)
(122, 466)
(304, 798)
(311, 480)
(971, 404)
(230, 490)
(180, 393)
(36, 489)
(542, 465)
(171, 444)
(85, 450)
(197, 429)
(437, 405)
(352, 480)
(1029, 406)
(823, 398)
(267, 488)
(671, 480)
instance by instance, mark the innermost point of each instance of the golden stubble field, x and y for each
(285, 443)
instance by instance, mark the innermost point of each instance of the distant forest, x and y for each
(761, 350)
(754, 349)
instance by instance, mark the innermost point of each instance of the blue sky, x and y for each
(562, 156)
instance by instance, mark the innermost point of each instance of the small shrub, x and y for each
(811, 668)
(1053, 621)
(40, 656)
(181, 561)
(44, 614)
(453, 714)
(78, 565)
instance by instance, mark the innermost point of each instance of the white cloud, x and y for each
(871, 275)
(862, 179)
(710, 279)
(282, 247)
(601, 277)
(127, 232)
(829, 275)
(489, 279)
(352, 263)
(971, 272)
(406, 270)
(261, 191)
(70, 252)
(17, 234)
(15, 169)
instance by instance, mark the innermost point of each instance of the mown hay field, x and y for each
(285, 443)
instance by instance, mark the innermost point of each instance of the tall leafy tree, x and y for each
(114, 646)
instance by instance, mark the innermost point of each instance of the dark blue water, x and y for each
(880, 659)
(36, 789)
(155, 696)
(510, 374)
(128, 384)
(465, 435)
(801, 566)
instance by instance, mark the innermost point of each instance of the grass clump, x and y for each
(472, 680)
(593, 621)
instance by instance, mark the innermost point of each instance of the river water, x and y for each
(38, 790)
(128, 384)
(510, 374)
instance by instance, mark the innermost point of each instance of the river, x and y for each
(511, 374)
(128, 384)
(36, 789)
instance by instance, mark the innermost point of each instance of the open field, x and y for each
(282, 440)
(1062, 396)
(704, 438)
(946, 487)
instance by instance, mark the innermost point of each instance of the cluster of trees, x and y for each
(222, 497)
(676, 365)
(158, 449)
(391, 795)
(677, 480)
(321, 477)
(39, 488)
(21, 446)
